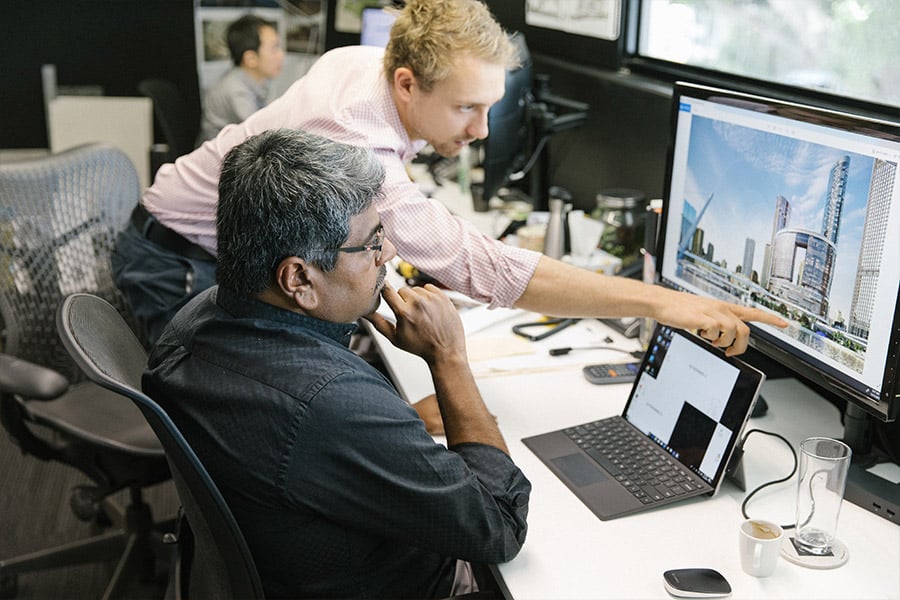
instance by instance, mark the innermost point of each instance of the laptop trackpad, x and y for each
(580, 470)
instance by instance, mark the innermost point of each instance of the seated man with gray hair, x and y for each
(332, 477)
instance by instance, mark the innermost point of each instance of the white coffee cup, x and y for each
(760, 546)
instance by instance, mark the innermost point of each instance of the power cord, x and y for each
(740, 449)
(638, 354)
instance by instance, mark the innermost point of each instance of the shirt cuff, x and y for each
(496, 471)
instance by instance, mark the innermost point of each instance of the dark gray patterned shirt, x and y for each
(332, 477)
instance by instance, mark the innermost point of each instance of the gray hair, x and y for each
(288, 193)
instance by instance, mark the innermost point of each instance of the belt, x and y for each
(161, 235)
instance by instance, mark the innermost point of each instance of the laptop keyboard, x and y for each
(633, 460)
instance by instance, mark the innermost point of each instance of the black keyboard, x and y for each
(635, 461)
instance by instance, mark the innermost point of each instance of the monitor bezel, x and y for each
(887, 407)
(505, 150)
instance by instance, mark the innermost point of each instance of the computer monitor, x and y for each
(506, 149)
(796, 210)
(376, 26)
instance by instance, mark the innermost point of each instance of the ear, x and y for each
(250, 59)
(404, 82)
(298, 282)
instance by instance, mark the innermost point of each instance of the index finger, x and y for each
(746, 313)
(391, 296)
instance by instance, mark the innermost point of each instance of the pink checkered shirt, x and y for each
(345, 97)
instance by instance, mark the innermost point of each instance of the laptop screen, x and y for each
(692, 401)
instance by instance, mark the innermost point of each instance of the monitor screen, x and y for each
(506, 148)
(376, 26)
(796, 210)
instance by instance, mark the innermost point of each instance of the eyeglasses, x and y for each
(375, 246)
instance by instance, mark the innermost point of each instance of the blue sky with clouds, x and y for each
(747, 169)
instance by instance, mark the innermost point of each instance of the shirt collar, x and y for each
(241, 306)
(260, 88)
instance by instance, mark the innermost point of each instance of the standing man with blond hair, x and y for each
(442, 70)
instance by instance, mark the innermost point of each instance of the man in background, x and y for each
(258, 58)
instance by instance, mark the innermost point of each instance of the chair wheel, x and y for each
(102, 520)
(100, 524)
(9, 586)
(84, 503)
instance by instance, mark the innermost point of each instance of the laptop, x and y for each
(686, 413)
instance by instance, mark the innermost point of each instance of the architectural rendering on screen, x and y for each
(789, 225)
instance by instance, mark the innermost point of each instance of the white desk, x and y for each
(571, 554)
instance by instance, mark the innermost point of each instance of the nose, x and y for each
(388, 251)
(478, 128)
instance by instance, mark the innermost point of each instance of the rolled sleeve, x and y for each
(508, 487)
(387, 476)
(449, 248)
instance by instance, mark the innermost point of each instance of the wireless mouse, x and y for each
(696, 583)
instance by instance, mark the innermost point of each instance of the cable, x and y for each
(534, 156)
(774, 481)
(565, 350)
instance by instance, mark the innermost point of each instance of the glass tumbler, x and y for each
(824, 464)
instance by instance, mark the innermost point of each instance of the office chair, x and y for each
(172, 116)
(212, 558)
(59, 216)
(214, 561)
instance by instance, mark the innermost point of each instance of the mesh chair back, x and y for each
(102, 344)
(59, 217)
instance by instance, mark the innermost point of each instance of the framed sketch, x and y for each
(592, 18)
(348, 14)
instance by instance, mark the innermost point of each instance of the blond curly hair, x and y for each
(428, 35)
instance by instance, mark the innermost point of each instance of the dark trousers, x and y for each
(156, 282)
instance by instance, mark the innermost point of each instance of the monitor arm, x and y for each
(548, 114)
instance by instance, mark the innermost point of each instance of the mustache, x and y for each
(382, 273)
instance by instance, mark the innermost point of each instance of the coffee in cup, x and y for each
(760, 546)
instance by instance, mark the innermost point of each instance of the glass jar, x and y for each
(622, 212)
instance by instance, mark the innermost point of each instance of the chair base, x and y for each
(138, 546)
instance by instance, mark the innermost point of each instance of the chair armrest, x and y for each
(29, 380)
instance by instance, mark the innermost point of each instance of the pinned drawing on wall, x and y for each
(348, 14)
(299, 23)
(593, 18)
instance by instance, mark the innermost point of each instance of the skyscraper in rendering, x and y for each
(834, 199)
(870, 252)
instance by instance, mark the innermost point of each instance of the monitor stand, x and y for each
(864, 487)
(548, 115)
(874, 493)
